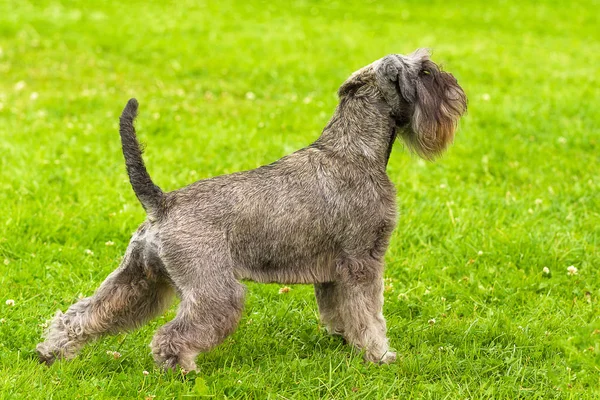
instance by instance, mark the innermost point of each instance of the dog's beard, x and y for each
(439, 104)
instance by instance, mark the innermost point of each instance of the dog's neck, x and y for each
(361, 131)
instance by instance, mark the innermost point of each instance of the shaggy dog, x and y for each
(322, 215)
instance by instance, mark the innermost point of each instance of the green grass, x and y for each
(518, 191)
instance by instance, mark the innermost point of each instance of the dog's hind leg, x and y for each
(211, 306)
(360, 304)
(131, 295)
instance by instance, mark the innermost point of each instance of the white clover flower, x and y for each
(110, 243)
(88, 252)
(146, 373)
(10, 302)
(572, 270)
(250, 96)
(538, 202)
(114, 354)
(480, 253)
(546, 270)
(6, 261)
(431, 321)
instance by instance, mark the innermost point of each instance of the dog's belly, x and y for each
(319, 269)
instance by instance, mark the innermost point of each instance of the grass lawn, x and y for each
(226, 86)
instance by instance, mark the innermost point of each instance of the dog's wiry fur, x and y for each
(322, 215)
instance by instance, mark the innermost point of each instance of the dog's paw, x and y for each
(388, 358)
(334, 331)
(174, 362)
(45, 355)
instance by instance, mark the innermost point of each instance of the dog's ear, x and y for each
(409, 71)
(397, 75)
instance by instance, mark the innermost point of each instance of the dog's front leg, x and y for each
(359, 295)
(328, 302)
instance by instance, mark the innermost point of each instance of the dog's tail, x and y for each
(146, 191)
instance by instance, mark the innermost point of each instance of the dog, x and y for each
(322, 215)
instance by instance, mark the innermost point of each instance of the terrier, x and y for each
(322, 215)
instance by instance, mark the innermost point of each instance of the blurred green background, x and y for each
(226, 86)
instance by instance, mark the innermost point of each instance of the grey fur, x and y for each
(322, 215)
(146, 191)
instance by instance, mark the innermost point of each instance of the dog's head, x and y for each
(425, 101)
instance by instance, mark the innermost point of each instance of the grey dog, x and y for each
(322, 215)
